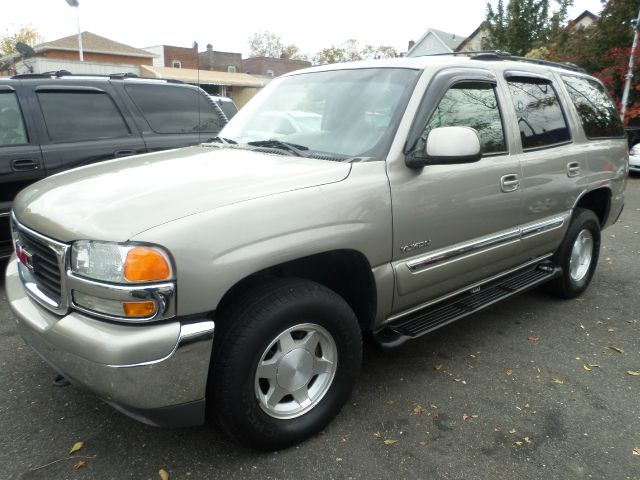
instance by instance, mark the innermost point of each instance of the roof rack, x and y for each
(111, 76)
(489, 55)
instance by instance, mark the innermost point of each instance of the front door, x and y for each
(455, 225)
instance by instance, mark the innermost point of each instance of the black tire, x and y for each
(247, 329)
(566, 286)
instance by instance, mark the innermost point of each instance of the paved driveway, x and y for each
(531, 388)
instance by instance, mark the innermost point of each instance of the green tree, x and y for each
(27, 35)
(523, 25)
(351, 51)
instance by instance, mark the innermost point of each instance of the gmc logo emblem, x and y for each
(24, 257)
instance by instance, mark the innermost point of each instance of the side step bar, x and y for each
(424, 321)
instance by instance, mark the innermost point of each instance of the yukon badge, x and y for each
(415, 246)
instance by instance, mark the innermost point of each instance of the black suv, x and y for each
(56, 121)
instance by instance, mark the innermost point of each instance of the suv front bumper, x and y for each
(155, 373)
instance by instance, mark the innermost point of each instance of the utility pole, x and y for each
(629, 75)
(76, 4)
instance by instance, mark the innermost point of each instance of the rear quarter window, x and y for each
(598, 115)
(175, 109)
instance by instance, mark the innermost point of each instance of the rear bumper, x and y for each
(155, 373)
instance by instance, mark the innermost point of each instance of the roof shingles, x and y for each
(95, 44)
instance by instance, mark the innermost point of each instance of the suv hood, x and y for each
(117, 199)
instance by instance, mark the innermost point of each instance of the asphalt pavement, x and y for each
(533, 388)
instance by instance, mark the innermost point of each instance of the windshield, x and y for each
(344, 113)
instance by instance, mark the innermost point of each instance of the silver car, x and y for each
(239, 277)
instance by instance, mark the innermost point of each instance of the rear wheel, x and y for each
(286, 360)
(577, 255)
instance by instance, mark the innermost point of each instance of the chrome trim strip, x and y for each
(189, 333)
(551, 224)
(5, 214)
(469, 247)
(465, 289)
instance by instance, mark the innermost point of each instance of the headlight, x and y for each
(116, 263)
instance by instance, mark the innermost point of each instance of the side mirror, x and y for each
(448, 145)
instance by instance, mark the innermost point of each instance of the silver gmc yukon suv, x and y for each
(236, 279)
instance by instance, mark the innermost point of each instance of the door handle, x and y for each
(24, 164)
(123, 153)
(509, 183)
(573, 169)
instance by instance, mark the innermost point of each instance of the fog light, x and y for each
(115, 308)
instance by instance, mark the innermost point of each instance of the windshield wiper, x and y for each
(224, 141)
(294, 148)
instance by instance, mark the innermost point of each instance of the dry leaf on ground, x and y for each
(533, 338)
(424, 443)
(390, 442)
(164, 475)
(418, 409)
(76, 446)
(586, 367)
(509, 372)
(636, 451)
(438, 366)
(558, 381)
(80, 464)
(633, 374)
(619, 350)
(376, 434)
(467, 417)
(513, 430)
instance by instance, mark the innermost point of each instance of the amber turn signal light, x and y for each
(139, 309)
(145, 265)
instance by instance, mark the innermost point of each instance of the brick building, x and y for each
(272, 67)
(176, 57)
(220, 61)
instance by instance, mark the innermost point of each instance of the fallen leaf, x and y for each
(338, 459)
(418, 410)
(611, 330)
(467, 417)
(527, 439)
(76, 446)
(518, 443)
(558, 381)
(163, 474)
(633, 374)
(438, 366)
(424, 443)
(376, 434)
(533, 338)
(619, 350)
(586, 367)
(636, 451)
(509, 372)
(513, 430)
(390, 442)
(80, 464)
(496, 429)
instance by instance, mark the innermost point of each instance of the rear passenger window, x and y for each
(471, 104)
(12, 131)
(175, 109)
(540, 117)
(74, 116)
(599, 116)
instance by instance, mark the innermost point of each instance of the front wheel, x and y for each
(577, 255)
(286, 361)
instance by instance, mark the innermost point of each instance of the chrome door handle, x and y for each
(573, 169)
(509, 183)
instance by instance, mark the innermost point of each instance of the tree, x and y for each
(523, 24)
(266, 44)
(27, 35)
(350, 51)
(293, 52)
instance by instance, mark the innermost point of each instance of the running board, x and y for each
(435, 316)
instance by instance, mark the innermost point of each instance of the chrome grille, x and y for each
(46, 271)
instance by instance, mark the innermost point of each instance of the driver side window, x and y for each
(471, 104)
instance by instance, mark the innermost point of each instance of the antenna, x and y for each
(195, 44)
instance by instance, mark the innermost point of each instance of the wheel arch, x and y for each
(346, 272)
(598, 201)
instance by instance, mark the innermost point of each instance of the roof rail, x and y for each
(57, 73)
(500, 55)
(111, 76)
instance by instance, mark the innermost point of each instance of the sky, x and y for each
(228, 25)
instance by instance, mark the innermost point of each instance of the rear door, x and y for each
(20, 157)
(171, 115)
(80, 125)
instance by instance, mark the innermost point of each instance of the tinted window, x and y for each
(228, 108)
(539, 113)
(471, 105)
(599, 117)
(12, 130)
(81, 115)
(175, 109)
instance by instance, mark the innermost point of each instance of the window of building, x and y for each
(231, 69)
(12, 131)
(599, 116)
(176, 64)
(540, 117)
(74, 116)
(175, 109)
(475, 105)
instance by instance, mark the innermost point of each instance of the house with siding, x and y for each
(435, 41)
